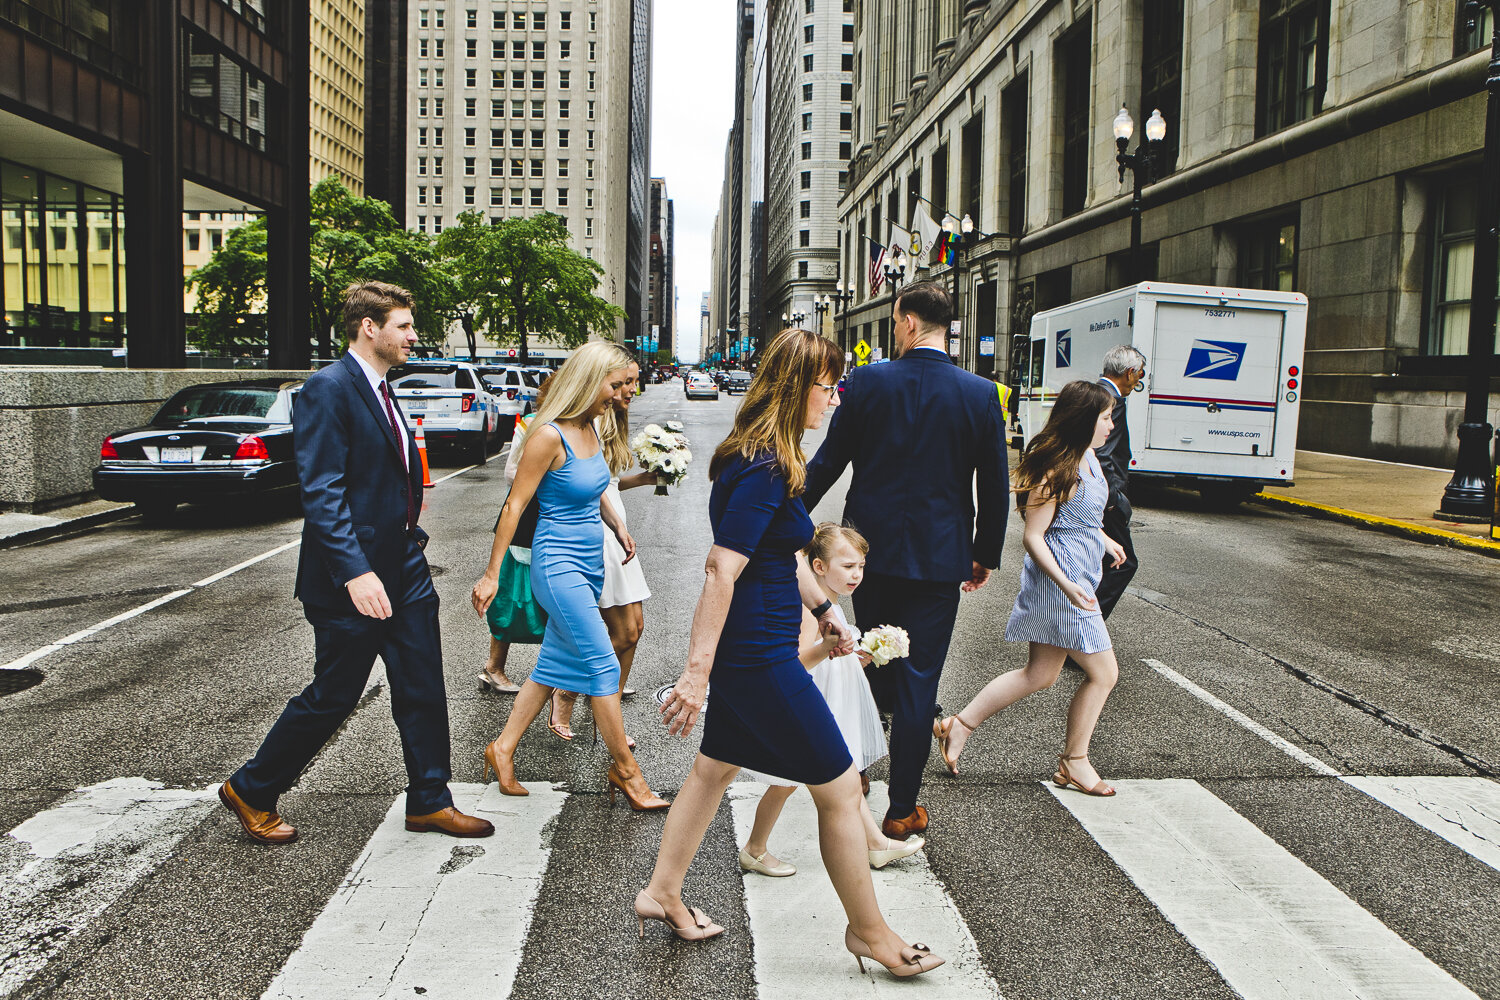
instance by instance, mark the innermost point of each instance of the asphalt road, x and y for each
(1366, 655)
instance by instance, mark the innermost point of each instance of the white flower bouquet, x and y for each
(663, 451)
(886, 643)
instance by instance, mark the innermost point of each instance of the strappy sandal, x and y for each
(563, 732)
(943, 730)
(1062, 779)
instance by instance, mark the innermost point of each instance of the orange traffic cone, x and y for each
(422, 453)
(520, 426)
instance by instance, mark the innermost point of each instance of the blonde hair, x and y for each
(574, 387)
(614, 435)
(774, 414)
(827, 538)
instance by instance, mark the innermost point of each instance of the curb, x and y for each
(1390, 526)
(63, 527)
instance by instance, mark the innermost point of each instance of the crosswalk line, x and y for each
(798, 923)
(66, 865)
(1463, 811)
(1272, 926)
(425, 915)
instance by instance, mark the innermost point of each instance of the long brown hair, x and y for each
(614, 437)
(774, 414)
(1049, 468)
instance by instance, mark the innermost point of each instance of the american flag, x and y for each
(877, 267)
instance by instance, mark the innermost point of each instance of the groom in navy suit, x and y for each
(919, 432)
(363, 580)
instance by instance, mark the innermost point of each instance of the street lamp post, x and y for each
(959, 238)
(843, 297)
(1469, 495)
(821, 305)
(795, 319)
(1142, 164)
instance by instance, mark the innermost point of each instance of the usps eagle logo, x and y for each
(1216, 359)
(1065, 348)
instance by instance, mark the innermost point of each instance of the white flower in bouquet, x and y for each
(675, 426)
(886, 643)
(663, 451)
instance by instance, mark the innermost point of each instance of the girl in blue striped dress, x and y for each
(1062, 495)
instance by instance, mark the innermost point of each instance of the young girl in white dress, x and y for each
(836, 556)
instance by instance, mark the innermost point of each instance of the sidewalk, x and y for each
(1382, 496)
(16, 529)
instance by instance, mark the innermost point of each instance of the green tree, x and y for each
(519, 277)
(353, 239)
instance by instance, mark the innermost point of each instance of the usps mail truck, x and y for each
(1218, 410)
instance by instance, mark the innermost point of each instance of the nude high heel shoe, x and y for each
(647, 908)
(921, 959)
(637, 792)
(505, 771)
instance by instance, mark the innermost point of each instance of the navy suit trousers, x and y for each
(907, 689)
(346, 648)
(1116, 578)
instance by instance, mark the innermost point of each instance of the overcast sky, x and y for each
(692, 106)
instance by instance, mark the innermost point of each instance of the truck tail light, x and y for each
(1293, 371)
(1291, 383)
(468, 403)
(252, 449)
(107, 449)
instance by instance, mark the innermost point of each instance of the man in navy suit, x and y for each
(362, 578)
(1124, 369)
(918, 432)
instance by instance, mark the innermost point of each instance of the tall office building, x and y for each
(705, 329)
(811, 71)
(1318, 146)
(337, 97)
(166, 108)
(663, 269)
(535, 107)
(385, 102)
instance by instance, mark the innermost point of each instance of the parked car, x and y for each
(208, 442)
(451, 398)
(514, 390)
(699, 386)
(736, 381)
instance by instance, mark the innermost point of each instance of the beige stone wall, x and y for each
(52, 421)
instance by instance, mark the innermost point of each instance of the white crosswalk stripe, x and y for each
(805, 957)
(66, 865)
(1270, 925)
(404, 921)
(1463, 811)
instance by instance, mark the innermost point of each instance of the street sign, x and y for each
(862, 351)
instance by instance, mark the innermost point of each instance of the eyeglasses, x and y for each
(826, 388)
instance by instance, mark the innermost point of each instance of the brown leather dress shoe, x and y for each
(452, 822)
(900, 829)
(266, 827)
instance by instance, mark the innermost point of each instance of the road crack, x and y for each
(1406, 727)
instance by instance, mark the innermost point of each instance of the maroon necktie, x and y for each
(411, 501)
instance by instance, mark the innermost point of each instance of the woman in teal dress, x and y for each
(563, 463)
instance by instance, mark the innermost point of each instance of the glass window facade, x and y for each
(63, 250)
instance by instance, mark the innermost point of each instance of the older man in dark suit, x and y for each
(918, 432)
(363, 580)
(1124, 369)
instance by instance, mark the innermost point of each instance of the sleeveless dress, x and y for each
(567, 575)
(1042, 612)
(764, 712)
(624, 582)
(841, 681)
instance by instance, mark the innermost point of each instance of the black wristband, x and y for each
(822, 609)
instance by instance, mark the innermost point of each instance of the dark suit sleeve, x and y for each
(320, 430)
(1114, 458)
(837, 450)
(992, 474)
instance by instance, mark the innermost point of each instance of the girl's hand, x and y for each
(638, 479)
(627, 543)
(1114, 550)
(1081, 597)
(865, 659)
(484, 592)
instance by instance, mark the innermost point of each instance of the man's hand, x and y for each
(979, 579)
(368, 595)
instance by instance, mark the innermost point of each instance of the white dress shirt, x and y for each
(376, 381)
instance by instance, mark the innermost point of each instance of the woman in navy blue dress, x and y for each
(767, 713)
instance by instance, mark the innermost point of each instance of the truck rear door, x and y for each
(1215, 378)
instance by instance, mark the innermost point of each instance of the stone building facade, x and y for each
(663, 285)
(536, 106)
(1325, 146)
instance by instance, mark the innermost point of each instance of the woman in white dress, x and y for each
(836, 556)
(625, 591)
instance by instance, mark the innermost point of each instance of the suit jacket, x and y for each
(1114, 454)
(917, 431)
(354, 487)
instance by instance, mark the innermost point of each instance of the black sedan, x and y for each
(208, 442)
